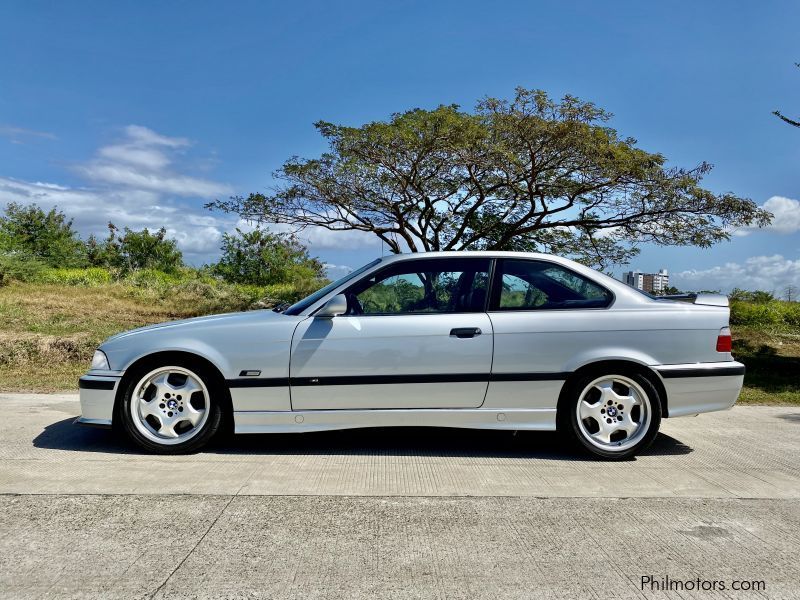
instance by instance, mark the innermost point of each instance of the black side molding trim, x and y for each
(393, 379)
(95, 384)
(700, 372)
(529, 376)
(258, 382)
(389, 379)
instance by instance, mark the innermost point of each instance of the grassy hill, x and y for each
(50, 328)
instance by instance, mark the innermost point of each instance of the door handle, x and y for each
(465, 332)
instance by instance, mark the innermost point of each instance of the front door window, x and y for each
(423, 286)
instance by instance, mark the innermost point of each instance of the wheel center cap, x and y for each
(612, 412)
(172, 404)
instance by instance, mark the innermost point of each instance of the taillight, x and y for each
(724, 340)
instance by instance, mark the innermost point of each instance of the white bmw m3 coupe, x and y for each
(484, 340)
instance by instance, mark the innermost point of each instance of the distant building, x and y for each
(652, 283)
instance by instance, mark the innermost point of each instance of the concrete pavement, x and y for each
(417, 513)
(748, 452)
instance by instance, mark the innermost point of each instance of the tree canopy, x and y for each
(45, 236)
(531, 173)
(132, 250)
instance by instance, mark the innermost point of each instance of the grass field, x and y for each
(48, 333)
(772, 357)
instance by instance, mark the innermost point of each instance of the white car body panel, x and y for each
(382, 370)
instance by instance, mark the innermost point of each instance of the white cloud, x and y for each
(148, 137)
(770, 273)
(145, 179)
(786, 217)
(16, 134)
(336, 271)
(92, 210)
(197, 240)
(787, 214)
(134, 183)
(133, 176)
(319, 238)
(149, 158)
(142, 161)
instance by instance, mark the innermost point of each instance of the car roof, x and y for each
(470, 253)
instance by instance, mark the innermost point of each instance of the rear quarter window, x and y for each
(541, 285)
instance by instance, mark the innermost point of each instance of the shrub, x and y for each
(135, 250)
(47, 236)
(24, 348)
(153, 278)
(260, 257)
(19, 267)
(93, 276)
(774, 312)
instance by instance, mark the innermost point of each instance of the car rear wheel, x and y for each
(612, 416)
(171, 409)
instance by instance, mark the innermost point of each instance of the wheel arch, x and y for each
(164, 357)
(622, 366)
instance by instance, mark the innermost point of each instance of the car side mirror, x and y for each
(333, 308)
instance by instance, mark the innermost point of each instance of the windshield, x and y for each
(297, 308)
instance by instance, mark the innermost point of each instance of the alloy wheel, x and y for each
(170, 405)
(613, 413)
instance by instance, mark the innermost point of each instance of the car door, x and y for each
(416, 335)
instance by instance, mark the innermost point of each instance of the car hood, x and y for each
(201, 322)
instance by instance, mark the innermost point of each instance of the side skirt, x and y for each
(537, 419)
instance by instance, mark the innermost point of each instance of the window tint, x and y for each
(423, 286)
(539, 285)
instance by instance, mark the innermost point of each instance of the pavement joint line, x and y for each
(199, 541)
(407, 496)
(193, 548)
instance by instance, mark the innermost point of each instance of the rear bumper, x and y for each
(97, 393)
(704, 387)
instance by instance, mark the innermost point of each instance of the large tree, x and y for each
(527, 174)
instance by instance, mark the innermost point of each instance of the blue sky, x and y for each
(139, 112)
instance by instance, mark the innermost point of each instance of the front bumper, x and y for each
(97, 394)
(701, 387)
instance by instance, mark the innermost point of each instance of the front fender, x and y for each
(121, 358)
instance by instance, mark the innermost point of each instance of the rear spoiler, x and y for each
(704, 299)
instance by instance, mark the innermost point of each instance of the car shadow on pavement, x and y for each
(793, 417)
(387, 441)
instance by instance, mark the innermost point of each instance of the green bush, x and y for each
(92, 276)
(47, 236)
(774, 312)
(135, 250)
(153, 278)
(20, 267)
(260, 257)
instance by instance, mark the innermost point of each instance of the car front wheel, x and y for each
(171, 409)
(612, 416)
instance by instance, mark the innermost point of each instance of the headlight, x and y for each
(100, 361)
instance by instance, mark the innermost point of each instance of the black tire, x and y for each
(570, 427)
(213, 404)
